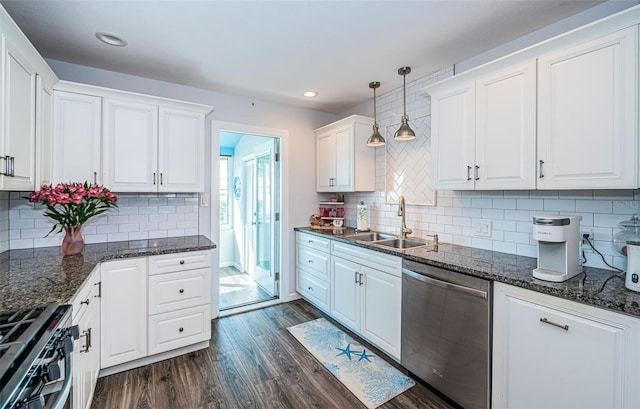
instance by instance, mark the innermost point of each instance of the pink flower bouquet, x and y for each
(73, 204)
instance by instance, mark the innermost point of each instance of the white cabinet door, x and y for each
(553, 353)
(77, 136)
(341, 166)
(453, 138)
(19, 117)
(181, 153)
(381, 309)
(124, 311)
(325, 161)
(345, 292)
(131, 146)
(506, 129)
(344, 161)
(587, 113)
(44, 133)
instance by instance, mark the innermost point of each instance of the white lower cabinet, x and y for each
(554, 353)
(312, 269)
(367, 299)
(86, 351)
(154, 305)
(124, 311)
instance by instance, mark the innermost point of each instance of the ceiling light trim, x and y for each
(111, 39)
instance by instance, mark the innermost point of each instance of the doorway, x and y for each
(249, 219)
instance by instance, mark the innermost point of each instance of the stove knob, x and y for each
(36, 402)
(52, 371)
(74, 332)
(66, 345)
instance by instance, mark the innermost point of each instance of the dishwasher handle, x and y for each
(445, 284)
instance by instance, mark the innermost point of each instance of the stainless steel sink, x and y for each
(370, 236)
(401, 243)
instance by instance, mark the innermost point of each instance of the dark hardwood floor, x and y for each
(252, 362)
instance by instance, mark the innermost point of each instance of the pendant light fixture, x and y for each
(404, 133)
(375, 139)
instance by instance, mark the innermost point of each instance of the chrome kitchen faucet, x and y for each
(401, 212)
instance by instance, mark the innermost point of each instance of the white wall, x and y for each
(510, 212)
(299, 123)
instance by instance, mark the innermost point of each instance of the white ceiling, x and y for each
(275, 50)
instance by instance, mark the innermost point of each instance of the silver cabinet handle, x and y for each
(355, 274)
(541, 163)
(181, 329)
(468, 172)
(95, 178)
(160, 177)
(154, 178)
(87, 301)
(546, 321)
(181, 261)
(360, 281)
(181, 291)
(310, 261)
(99, 284)
(310, 288)
(13, 166)
(476, 173)
(87, 336)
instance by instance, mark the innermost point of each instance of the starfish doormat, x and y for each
(370, 378)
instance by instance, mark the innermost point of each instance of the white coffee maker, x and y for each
(558, 247)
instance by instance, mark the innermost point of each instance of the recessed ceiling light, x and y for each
(310, 94)
(111, 39)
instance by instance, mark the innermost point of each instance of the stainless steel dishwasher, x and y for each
(446, 338)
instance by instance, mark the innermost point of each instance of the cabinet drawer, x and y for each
(179, 328)
(315, 290)
(173, 291)
(169, 263)
(313, 260)
(87, 294)
(313, 241)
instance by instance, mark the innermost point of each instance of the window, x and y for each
(225, 206)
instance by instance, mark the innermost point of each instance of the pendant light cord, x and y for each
(404, 95)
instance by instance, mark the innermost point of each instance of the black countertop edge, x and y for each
(596, 287)
(38, 276)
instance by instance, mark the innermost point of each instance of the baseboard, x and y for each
(153, 358)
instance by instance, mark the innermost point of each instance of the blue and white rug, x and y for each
(370, 378)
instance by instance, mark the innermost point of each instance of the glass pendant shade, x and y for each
(404, 133)
(375, 139)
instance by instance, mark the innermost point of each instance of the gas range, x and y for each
(35, 356)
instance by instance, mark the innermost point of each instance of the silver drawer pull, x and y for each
(310, 261)
(310, 241)
(546, 321)
(87, 301)
(181, 261)
(181, 329)
(181, 290)
(310, 288)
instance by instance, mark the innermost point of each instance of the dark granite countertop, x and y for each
(597, 287)
(38, 276)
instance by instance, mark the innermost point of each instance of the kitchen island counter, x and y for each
(40, 276)
(598, 287)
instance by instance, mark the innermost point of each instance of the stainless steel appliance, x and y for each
(446, 332)
(558, 247)
(35, 357)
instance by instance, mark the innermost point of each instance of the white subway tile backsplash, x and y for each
(138, 216)
(560, 205)
(594, 206)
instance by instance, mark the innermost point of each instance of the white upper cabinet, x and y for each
(20, 112)
(138, 143)
(587, 114)
(506, 128)
(77, 137)
(562, 114)
(130, 146)
(344, 162)
(181, 150)
(44, 132)
(483, 131)
(453, 137)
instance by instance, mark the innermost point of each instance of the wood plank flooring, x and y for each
(252, 362)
